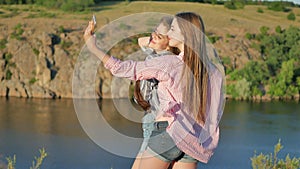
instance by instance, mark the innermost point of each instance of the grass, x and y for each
(42, 15)
(216, 17)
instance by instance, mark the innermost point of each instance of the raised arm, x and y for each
(90, 41)
(134, 70)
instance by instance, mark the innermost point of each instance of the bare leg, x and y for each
(182, 165)
(137, 161)
(147, 161)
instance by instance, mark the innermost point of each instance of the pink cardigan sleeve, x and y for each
(139, 70)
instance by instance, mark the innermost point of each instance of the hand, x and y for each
(90, 40)
(89, 36)
(143, 41)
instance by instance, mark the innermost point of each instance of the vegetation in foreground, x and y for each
(36, 163)
(271, 161)
(261, 161)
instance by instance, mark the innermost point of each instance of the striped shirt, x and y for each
(182, 128)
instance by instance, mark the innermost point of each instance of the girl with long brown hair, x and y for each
(190, 93)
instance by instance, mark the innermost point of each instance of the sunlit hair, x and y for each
(195, 71)
(166, 21)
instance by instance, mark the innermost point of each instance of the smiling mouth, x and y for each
(152, 42)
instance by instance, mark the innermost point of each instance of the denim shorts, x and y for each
(163, 147)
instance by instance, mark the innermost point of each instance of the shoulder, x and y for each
(167, 59)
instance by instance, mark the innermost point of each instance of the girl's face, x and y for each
(159, 39)
(175, 36)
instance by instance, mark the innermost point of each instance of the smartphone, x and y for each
(94, 24)
(94, 20)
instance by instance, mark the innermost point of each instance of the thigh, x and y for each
(183, 165)
(148, 161)
(137, 161)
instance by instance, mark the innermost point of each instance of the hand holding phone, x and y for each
(94, 23)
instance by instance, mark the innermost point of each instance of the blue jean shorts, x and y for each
(163, 147)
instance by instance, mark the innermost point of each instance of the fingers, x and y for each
(89, 29)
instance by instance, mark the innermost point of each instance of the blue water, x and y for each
(27, 125)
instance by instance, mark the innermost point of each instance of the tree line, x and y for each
(80, 5)
(65, 5)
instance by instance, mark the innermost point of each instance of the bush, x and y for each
(278, 29)
(18, 31)
(8, 74)
(291, 16)
(271, 161)
(36, 51)
(213, 39)
(3, 43)
(249, 36)
(230, 5)
(234, 4)
(229, 36)
(66, 5)
(32, 80)
(277, 6)
(61, 29)
(66, 44)
(259, 10)
(264, 30)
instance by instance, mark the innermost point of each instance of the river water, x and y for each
(26, 125)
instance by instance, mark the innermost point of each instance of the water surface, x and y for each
(29, 124)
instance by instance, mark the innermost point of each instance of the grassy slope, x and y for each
(217, 18)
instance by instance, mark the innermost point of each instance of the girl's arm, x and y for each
(152, 68)
(90, 41)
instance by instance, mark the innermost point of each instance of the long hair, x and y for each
(195, 72)
(166, 21)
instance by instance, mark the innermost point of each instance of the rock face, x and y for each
(43, 61)
(41, 64)
(38, 63)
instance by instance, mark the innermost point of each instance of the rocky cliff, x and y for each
(38, 56)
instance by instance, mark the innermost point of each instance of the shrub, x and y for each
(36, 163)
(61, 29)
(8, 74)
(229, 36)
(66, 5)
(32, 80)
(36, 51)
(213, 39)
(3, 43)
(66, 44)
(264, 30)
(278, 29)
(249, 36)
(7, 57)
(230, 5)
(271, 161)
(18, 31)
(234, 4)
(291, 16)
(277, 6)
(259, 10)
